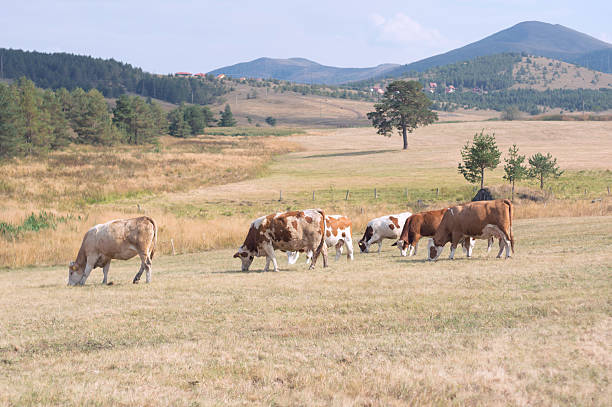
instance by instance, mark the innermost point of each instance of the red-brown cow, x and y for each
(418, 225)
(286, 231)
(478, 220)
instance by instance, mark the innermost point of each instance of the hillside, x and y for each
(301, 70)
(531, 37)
(110, 77)
(541, 73)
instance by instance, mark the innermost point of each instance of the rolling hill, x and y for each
(529, 37)
(301, 70)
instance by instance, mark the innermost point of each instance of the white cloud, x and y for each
(404, 30)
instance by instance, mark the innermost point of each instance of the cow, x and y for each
(338, 231)
(287, 231)
(119, 239)
(416, 226)
(425, 224)
(480, 220)
(385, 227)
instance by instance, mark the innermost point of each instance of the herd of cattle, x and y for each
(310, 231)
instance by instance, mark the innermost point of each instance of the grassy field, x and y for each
(205, 191)
(382, 330)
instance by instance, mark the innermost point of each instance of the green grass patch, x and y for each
(32, 223)
(252, 131)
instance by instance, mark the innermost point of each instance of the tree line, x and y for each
(110, 77)
(35, 121)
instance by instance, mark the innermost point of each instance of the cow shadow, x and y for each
(280, 270)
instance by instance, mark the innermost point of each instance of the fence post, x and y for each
(406, 193)
(140, 209)
(313, 195)
(280, 196)
(608, 190)
(347, 195)
(172, 243)
(375, 194)
(437, 192)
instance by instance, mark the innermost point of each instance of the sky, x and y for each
(199, 36)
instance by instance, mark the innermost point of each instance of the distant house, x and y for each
(199, 75)
(433, 85)
(220, 76)
(378, 90)
(450, 89)
(182, 74)
(242, 79)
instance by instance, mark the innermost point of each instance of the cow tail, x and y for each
(507, 202)
(322, 242)
(154, 235)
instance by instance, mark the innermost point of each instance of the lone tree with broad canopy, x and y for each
(515, 169)
(543, 166)
(403, 107)
(482, 154)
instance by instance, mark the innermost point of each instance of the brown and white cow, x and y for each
(479, 220)
(425, 224)
(338, 233)
(119, 239)
(287, 231)
(385, 227)
(418, 225)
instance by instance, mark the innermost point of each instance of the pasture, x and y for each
(383, 330)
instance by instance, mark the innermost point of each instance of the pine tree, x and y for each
(542, 167)
(178, 127)
(227, 118)
(482, 154)
(10, 138)
(514, 168)
(404, 107)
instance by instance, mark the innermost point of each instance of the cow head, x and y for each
(246, 256)
(75, 274)
(403, 247)
(364, 243)
(433, 251)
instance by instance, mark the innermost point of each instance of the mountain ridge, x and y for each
(531, 37)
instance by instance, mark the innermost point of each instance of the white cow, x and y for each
(385, 227)
(119, 239)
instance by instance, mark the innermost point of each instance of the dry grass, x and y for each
(88, 175)
(199, 216)
(380, 331)
(552, 74)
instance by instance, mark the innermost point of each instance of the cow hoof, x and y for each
(135, 281)
(111, 283)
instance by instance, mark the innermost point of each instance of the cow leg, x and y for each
(452, 252)
(349, 248)
(379, 246)
(88, 267)
(490, 244)
(105, 271)
(269, 250)
(502, 246)
(308, 256)
(414, 246)
(323, 251)
(143, 267)
(267, 263)
(148, 269)
(339, 247)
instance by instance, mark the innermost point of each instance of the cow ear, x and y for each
(236, 255)
(395, 244)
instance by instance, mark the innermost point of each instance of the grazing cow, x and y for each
(425, 224)
(416, 226)
(338, 231)
(286, 231)
(385, 227)
(119, 239)
(481, 220)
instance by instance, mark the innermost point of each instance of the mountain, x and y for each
(531, 37)
(301, 70)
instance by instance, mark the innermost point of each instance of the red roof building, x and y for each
(182, 74)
